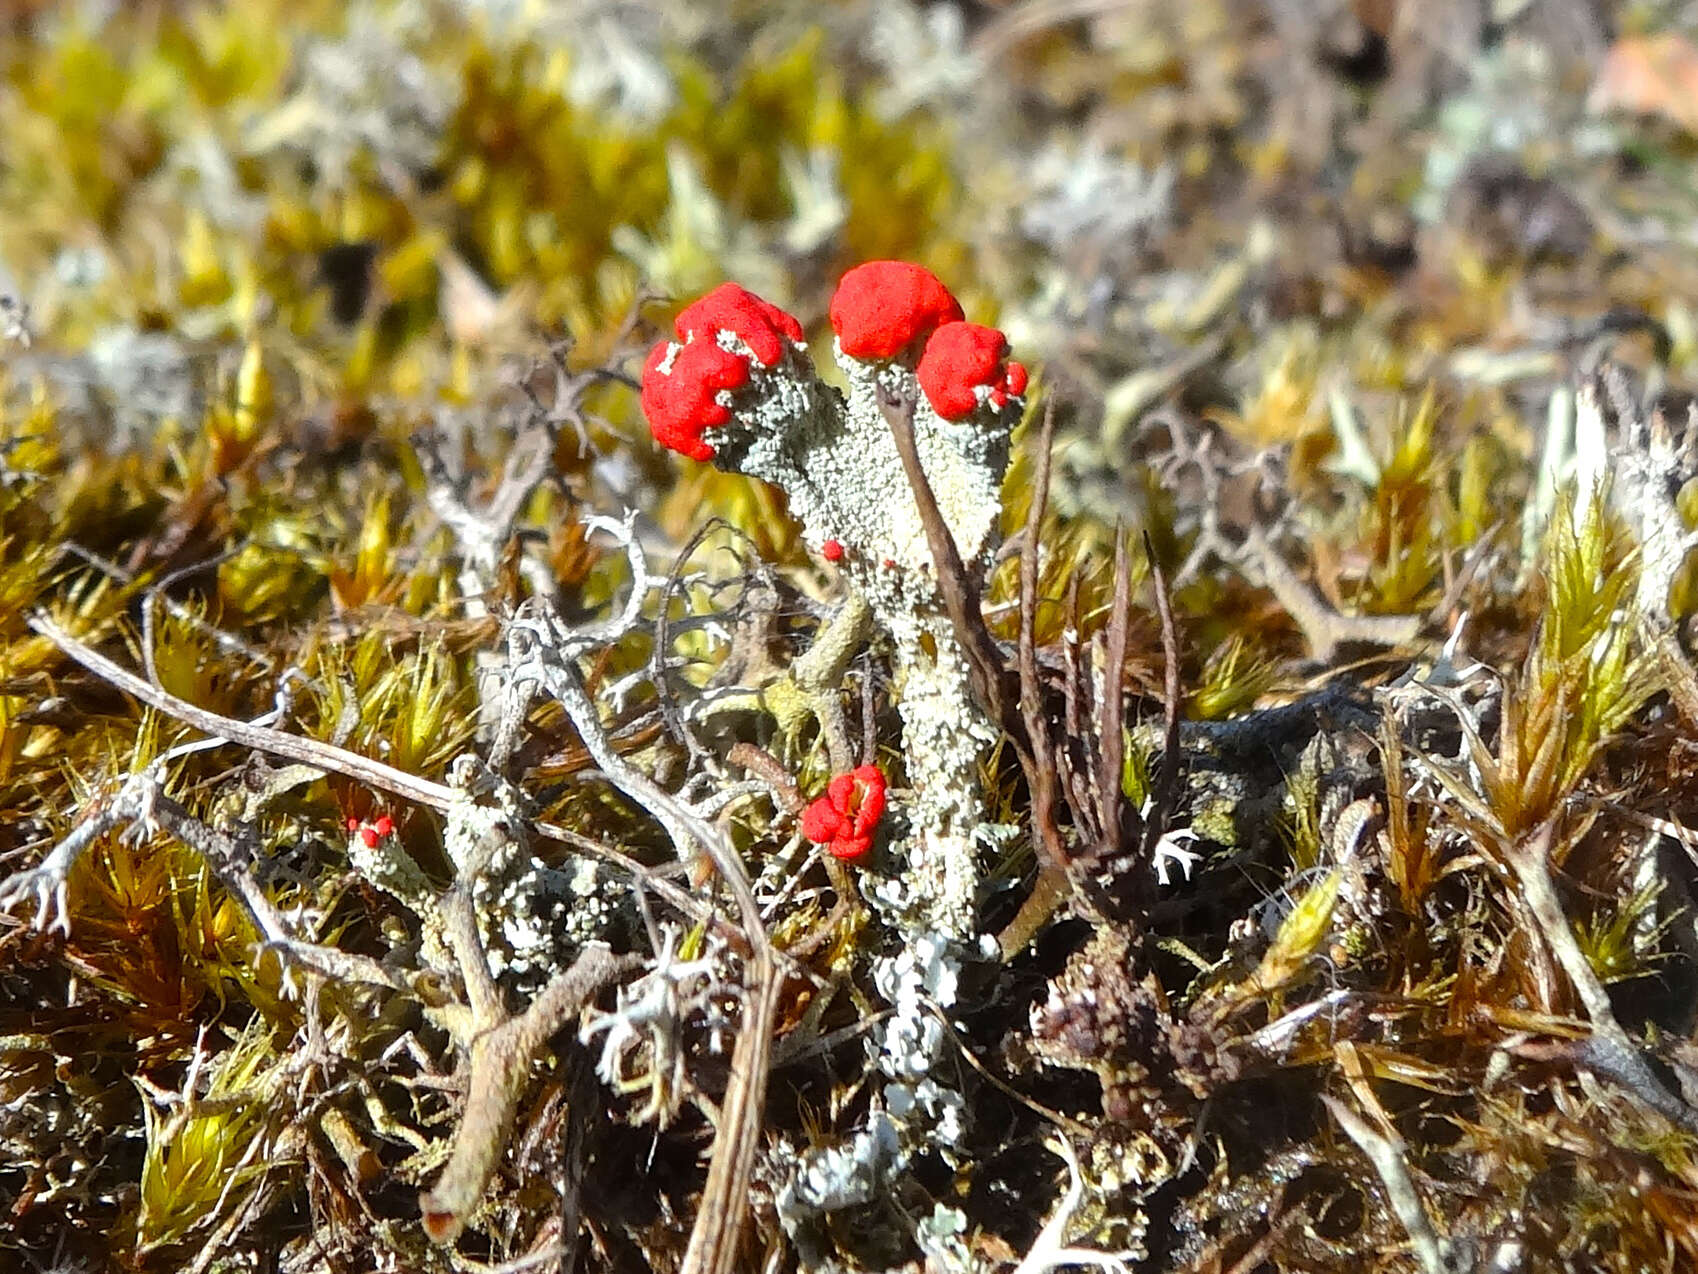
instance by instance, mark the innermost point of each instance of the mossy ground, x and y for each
(285, 263)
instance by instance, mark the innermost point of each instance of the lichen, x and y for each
(1247, 826)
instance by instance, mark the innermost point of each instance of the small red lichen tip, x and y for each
(371, 833)
(763, 327)
(845, 818)
(832, 550)
(882, 307)
(961, 358)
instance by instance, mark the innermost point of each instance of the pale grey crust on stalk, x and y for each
(833, 455)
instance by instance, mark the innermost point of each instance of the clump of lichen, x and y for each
(1331, 902)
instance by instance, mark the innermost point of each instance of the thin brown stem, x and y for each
(502, 1050)
(1052, 886)
(262, 739)
(764, 765)
(960, 599)
(1040, 748)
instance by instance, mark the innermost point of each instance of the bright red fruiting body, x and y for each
(682, 403)
(832, 550)
(371, 833)
(762, 325)
(882, 307)
(845, 818)
(962, 357)
(881, 310)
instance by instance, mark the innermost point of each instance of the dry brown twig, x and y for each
(1051, 886)
(1609, 1051)
(1388, 1155)
(326, 756)
(1112, 710)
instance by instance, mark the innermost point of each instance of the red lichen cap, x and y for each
(882, 307)
(762, 325)
(845, 818)
(682, 401)
(371, 833)
(682, 404)
(962, 357)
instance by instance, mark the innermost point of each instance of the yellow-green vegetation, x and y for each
(364, 664)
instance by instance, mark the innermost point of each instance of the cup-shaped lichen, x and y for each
(738, 387)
